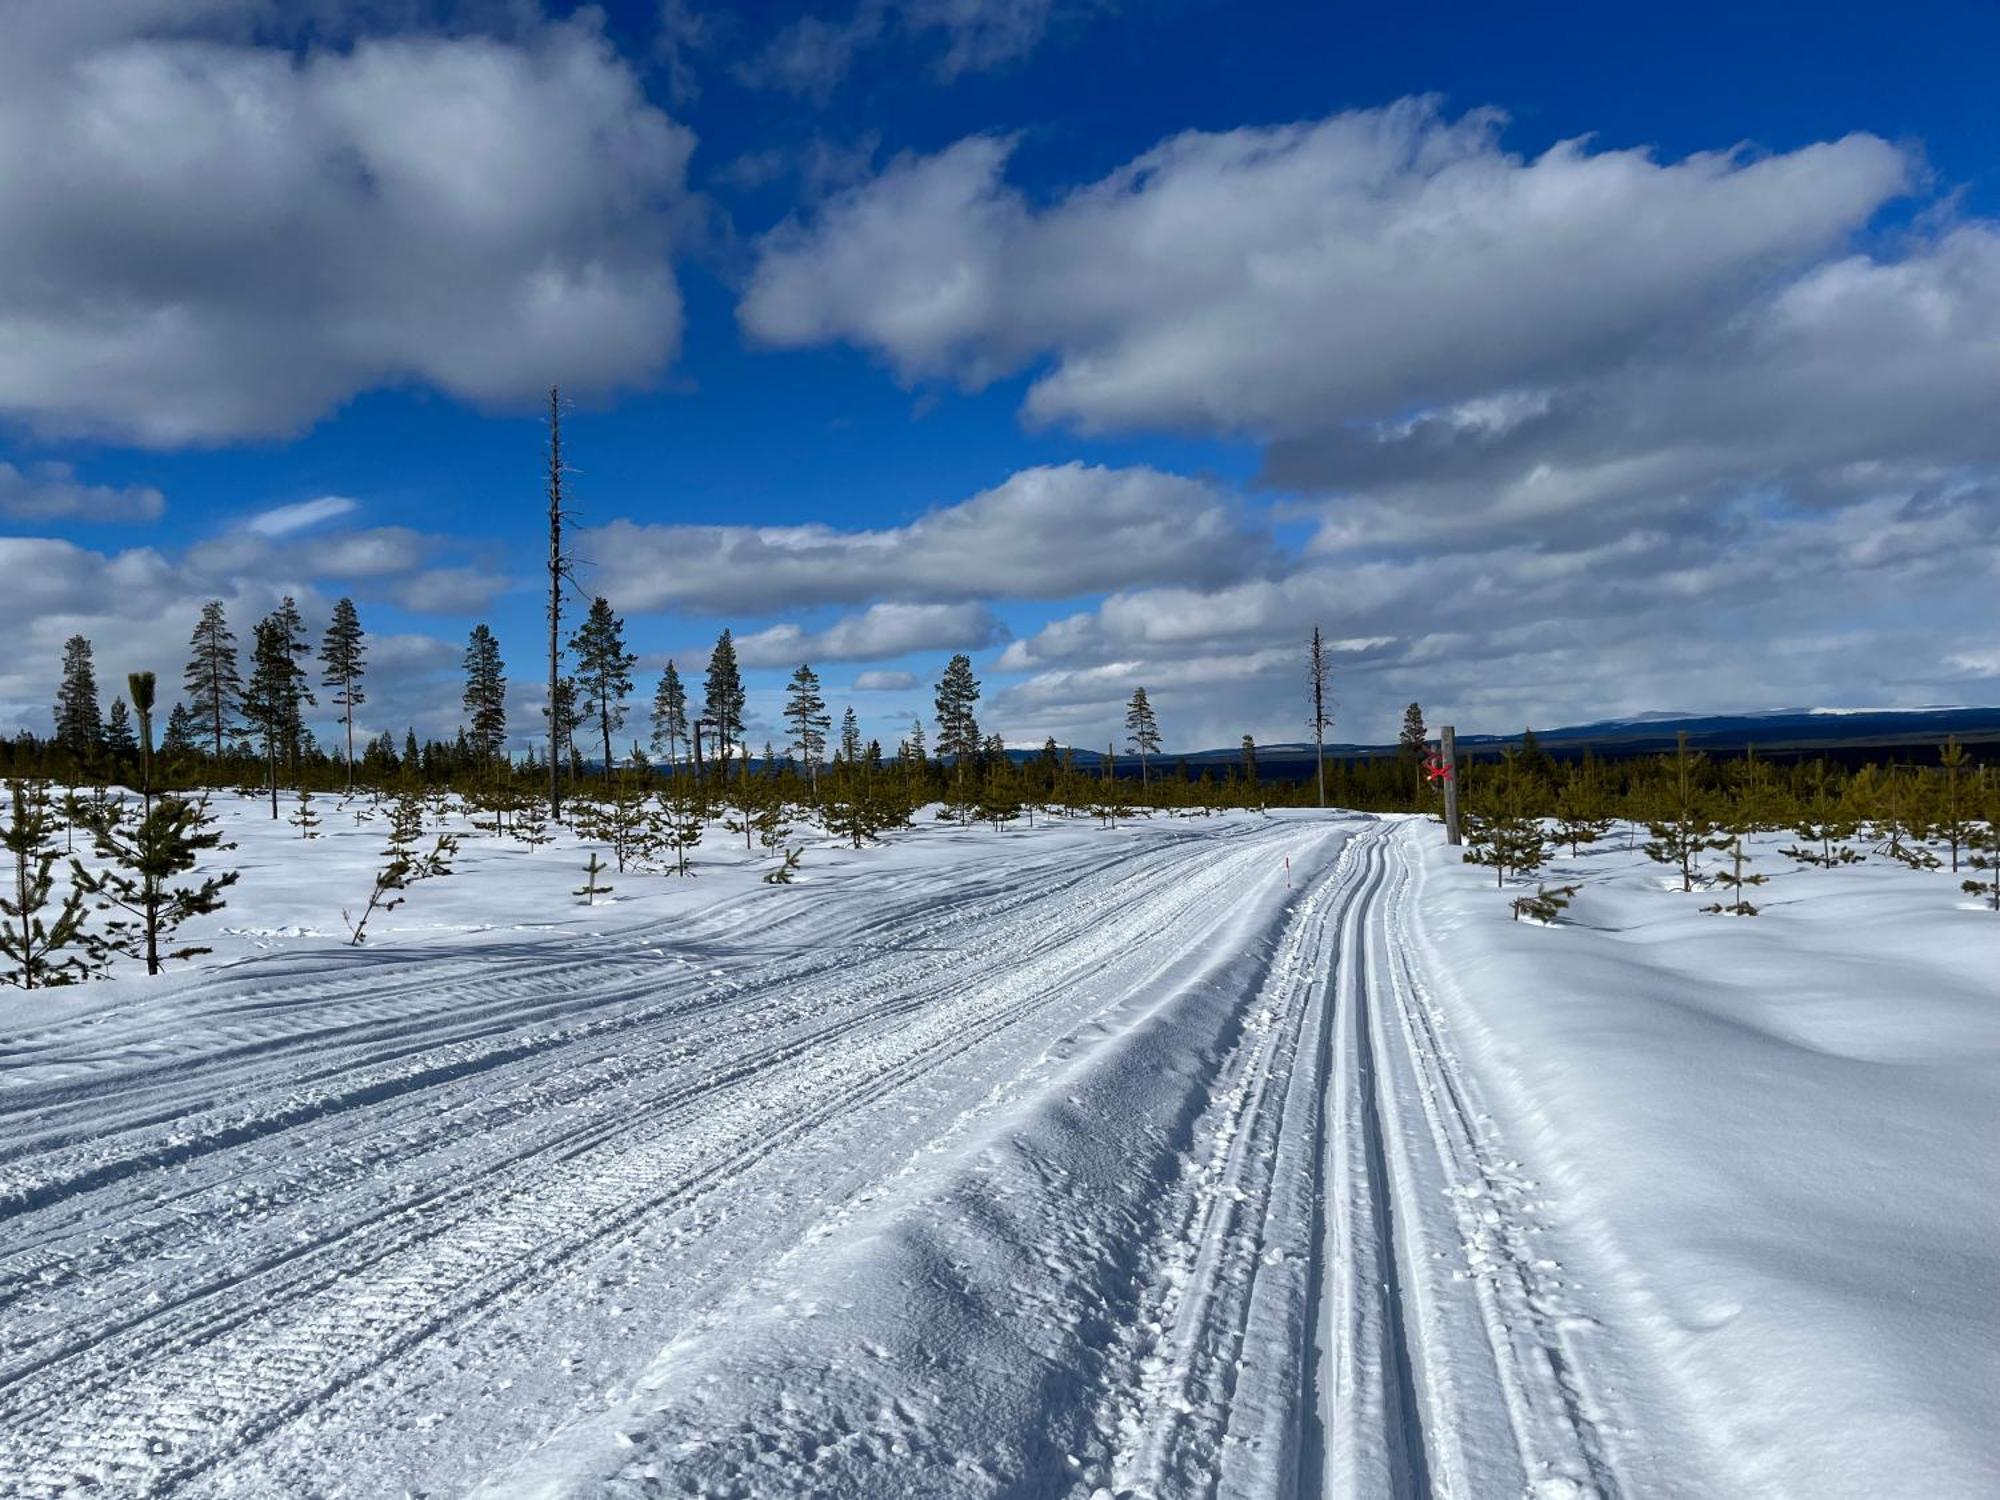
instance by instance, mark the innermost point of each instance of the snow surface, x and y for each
(1058, 1161)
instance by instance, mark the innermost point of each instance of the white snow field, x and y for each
(1059, 1161)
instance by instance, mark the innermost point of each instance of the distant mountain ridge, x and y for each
(1783, 730)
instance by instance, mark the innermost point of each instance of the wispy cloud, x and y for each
(283, 520)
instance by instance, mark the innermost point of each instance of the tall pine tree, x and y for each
(486, 694)
(958, 728)
(603, 670)
(725, 697)
(276, 690)
(670, 717)
(213, 682)
(1318, 673)
(300, 688)
(342, 653)
(1142, 730)
(79, 721)
(805, 714)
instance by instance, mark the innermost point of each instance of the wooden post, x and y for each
(1448, 753)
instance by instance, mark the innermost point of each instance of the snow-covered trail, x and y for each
(1112, 1164)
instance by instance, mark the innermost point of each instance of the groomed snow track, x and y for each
(1075, 1166)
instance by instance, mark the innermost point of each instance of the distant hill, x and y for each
(1839, 733)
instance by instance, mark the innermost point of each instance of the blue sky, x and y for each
(1559, 364)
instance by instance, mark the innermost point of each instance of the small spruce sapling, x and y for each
(404, 869)
(143, 859)
(1738, 880)
(1982, 845)
(304, 818)
(1680, 838)
(41, 951)
(1952, 826)
(1823, 823)
(1546, 904)
(590, 890)
(682, 812)
(773, 830)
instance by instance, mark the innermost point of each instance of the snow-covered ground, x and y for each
(1233, 1156)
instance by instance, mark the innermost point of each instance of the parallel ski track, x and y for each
(1320, 1326)
(145, 1391)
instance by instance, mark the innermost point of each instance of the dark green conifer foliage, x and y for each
(44, 942)
(1738, 878)
(79, 721)
(806, 717)
(118, 736)
(1952, 825)
(725, 700)
(1686, 832)
(140, 879)
(485, 695)
(670, 719)
(1142, 729)
(213, 682)
(958, 726)
(272, 701)
(343, 653)
(1413, 744)
(1546, 904)
(603, 670)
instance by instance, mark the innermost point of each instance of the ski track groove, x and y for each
(109, 1408)
(1339, 1292)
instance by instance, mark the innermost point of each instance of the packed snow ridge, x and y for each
(1233, 1156)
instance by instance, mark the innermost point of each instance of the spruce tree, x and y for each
(342, 657)
(725, 698)
(485, 695)
(1413, 746)
(603, 670)
(958, 727)
(41, 950)
(213, 683)
(1737, 879)
(1680, 838)
(143, 860)
(670, 719)
(1952, 825)
(683, 817)
(1142, 730)
(118, 736)
(298, 687)
(806, 716)
(79, 721)
(182, 728)
(277, 688)
(1249, 754)
(850, 739)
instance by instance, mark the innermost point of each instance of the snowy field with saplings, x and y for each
(862, 1124)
